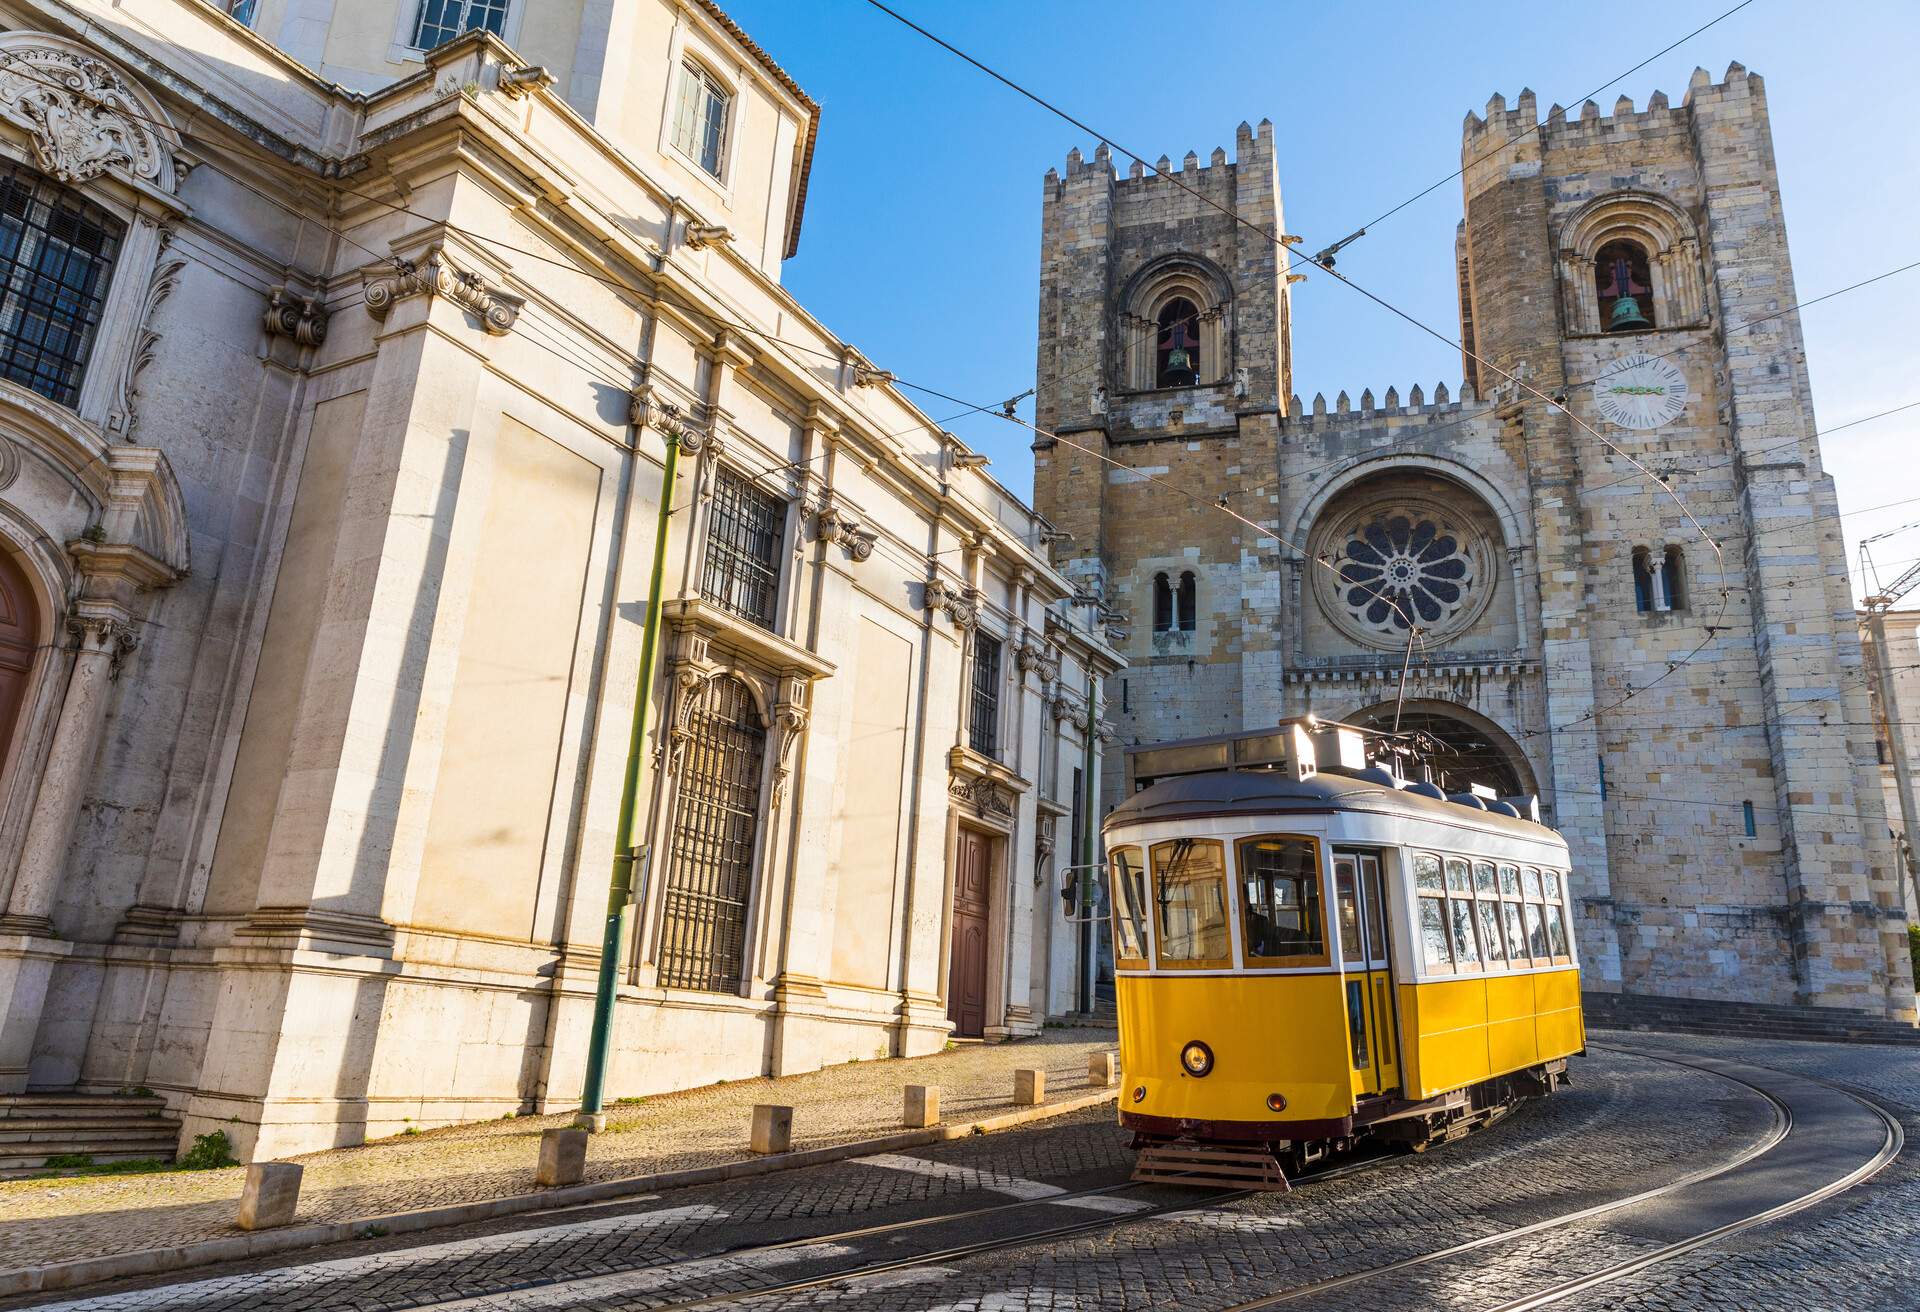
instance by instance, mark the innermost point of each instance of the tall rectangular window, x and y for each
(240, 11)
(700, 118)
(56, 255)
(983, 725)
(716, 826)
(440, 21)
(742, 569)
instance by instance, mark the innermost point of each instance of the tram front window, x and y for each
(1129, 907)
(1280, 877)
(1190, 901)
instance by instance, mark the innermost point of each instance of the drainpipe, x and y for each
(620, 890)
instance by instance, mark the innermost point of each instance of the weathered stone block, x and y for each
(563, 1158)
(1103, 1068)
(772, 1129)
(270, 1195)
(1029, 1087)
(923, 1106)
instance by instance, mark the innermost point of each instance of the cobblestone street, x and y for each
(1651, 1149)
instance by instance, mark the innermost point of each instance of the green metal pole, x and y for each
(1089, 856)
(593, 1099)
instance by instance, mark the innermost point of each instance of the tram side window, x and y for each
(1190, 900)
(1129, 907)
(1536, 918)
(1556, 918)
(1431, 887)
(1280, 877)
(1510, 918)
(1466, 951)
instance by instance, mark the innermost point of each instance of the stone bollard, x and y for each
(270, 1195)
(1103, 1068)
(923, 1106)
(563, 1158)
(772, 1128)
(1029, 1088)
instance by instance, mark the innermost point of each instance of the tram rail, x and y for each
(1782, 1126)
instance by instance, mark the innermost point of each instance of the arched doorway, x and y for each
(1461, 746)
(19, 639)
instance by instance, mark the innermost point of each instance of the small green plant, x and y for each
(210, 1152)
(373, 1232)
(135, 1091)
(628, 1102)
(1913, 948)
(411, 1129)
(952, 1046)
(69, 1161)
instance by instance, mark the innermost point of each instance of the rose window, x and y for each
(1399, 568)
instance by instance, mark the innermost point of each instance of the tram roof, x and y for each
(1268, 792)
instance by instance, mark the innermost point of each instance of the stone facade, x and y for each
(1692, 713)
(324, 596)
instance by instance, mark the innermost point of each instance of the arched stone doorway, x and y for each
(19, 638)
(1462, 746)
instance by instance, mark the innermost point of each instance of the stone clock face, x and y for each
(1641, 391)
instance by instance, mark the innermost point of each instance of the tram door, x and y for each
(1373, 1034)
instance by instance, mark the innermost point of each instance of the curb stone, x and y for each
(207, 1252)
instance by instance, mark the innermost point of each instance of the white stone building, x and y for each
(1893, 687)
(334, 373)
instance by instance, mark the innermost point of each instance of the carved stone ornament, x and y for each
(122, 416)
(983, 795)
(434, 275)
(289, 314)
(1103, 730)
(104, 633)
(1037, 656)
(961, 607)
(790, 722)
(9, 463)
(834, 524)
(1063, 705)
(83, 116)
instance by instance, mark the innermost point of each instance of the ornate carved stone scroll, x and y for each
(83, 116)
(122, 417)
(983, 795)
(289, 314)
(962, 606)
(434, 275)
(835, 524)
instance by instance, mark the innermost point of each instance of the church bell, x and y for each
(1626, 316)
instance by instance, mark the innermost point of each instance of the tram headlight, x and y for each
(1276, 1102)
(1196, 1059)
(1139, 1092)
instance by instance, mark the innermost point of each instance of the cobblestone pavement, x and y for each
(1629, 1124)
(54, 1220)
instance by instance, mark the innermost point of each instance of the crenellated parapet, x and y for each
(1499, 124)
(1367, 411)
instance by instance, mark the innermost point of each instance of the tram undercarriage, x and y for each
(1237, 1155)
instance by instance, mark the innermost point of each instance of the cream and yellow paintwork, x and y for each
(1462, 1031)
(1288, 1034)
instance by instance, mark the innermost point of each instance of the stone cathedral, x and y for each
(1692, 713)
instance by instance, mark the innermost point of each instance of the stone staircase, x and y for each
(1757, 1020)
(105, 1127)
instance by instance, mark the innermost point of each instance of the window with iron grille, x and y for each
(700, 119)
(709, 885)
(56, 254)
(984, 727)
(744, 528)
(440, 21)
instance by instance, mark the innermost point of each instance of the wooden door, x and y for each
(967, 973)
(19, 635)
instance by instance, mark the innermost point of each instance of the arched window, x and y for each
(1642, 579)
(1673, 578)
(1625, 284)
(700, 118)
(1162, 604)
(1177, 360)
(716, 827)
(1183, 603)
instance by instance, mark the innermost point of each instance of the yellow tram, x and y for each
(1308, 953)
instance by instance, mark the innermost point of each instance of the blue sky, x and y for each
(922, 231)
